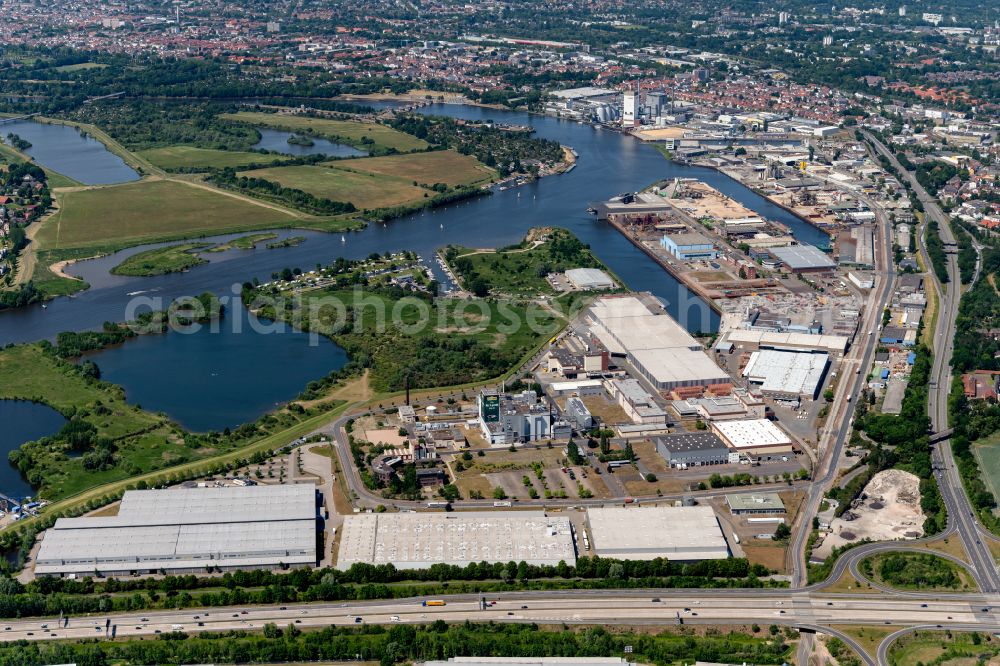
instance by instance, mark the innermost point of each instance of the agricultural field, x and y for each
(439, 166)
(191, 157)
(162, 260)
(365, 191)
(147, 211)
(351, 132)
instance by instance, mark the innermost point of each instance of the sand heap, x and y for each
(888, 509)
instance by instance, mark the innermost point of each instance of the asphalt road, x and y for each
(960, 512)
(809, 611)
(840, 419)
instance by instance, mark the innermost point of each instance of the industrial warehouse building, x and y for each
(755, 438)
(187, 530)
(679, 533)
(589, 279)
(658, 347)
(756, 503)
(787, 375)
(803, 258)
(692, 449)
(833, 344)
(689, 246)
(420, 540)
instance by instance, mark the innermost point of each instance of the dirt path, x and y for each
(241, 197)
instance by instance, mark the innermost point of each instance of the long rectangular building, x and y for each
(187, 530)
(682, 533)
(419, 540)
(653, 343)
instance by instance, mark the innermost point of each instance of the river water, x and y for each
(254, 367)
(64, 149)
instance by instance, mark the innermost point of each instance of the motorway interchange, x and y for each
(809, 608)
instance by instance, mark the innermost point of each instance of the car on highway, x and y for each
(394, 618)
(358, 620)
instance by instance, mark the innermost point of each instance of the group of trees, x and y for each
(902, 442)
(289, 195)
(402, 643)
(504, 150)
(49, 596)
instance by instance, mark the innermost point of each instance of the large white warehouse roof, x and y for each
(187, 530)
(419, 540)
(682, 533)
(787, 372)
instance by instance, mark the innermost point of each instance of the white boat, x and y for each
(343, 239)
(442, 226)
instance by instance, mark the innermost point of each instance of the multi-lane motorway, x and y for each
(783, 607)
(960, 514)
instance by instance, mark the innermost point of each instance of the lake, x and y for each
(210, 378)
(64, 149)
(22, 422)
(277, 141)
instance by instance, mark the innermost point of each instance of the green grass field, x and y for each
(81, 66)
(916, 571)
(440, 166)
(944, 649)
(192, 157)
(342, 131)
(162, 260)
(362, 190)
(987, 453)
(145, 211)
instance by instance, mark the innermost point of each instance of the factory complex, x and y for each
(682, 533)
(187, 530)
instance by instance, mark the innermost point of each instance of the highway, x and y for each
(960, 513)
(808, 611)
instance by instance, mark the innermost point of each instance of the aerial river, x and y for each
(182, 374)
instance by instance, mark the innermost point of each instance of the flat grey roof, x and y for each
(645, 533)
(188, 528)
(798, 257)
(755, 502)
(691, 441)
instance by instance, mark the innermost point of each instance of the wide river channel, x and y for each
(210, 380)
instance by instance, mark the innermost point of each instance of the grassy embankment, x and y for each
(247, 242)
(363, 135)
(944, 649)
(521, 270)
(917, 571)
